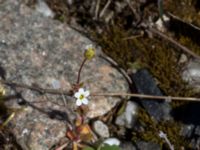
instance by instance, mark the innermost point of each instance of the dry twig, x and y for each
(97, 9)
(105, 8)
(34, 88)
(153, 97)
(183, 48)
(59, 92)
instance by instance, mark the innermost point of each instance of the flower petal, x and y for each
(88, 46)
(78, 102)
(85, 101)
(81, 91)
(77, 94)
(87, 93)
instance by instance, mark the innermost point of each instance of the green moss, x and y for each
(114, 44)
(180, 7)
(186, 41)
(152, 129)
(161, 60)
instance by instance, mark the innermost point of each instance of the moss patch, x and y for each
(114, 43)
(152, 129)
(188, 10)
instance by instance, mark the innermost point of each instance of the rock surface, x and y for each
(191, 73)
(129, 116)
(141, 145)
(101, 129)
(39, 51)
(145, 84)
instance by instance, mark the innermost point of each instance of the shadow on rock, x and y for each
(188, 114)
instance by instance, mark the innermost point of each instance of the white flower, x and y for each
(81, 97)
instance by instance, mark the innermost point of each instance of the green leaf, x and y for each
(110, 147)
(160, 8)
(136, 65)
(121, 109)
(88, 148)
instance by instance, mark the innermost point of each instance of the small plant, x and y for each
(82, 131)
(79, 132)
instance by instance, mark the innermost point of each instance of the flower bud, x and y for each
(89, 52)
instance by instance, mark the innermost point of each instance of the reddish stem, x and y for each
(80, 69)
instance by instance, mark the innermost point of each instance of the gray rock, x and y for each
(141, 145)
(112, 141)
(183, 59)
(145, 84)
(43, 8)
(187, 130)
(191, 73)
(101, 129)
(197, 130)
(127, 146)
(128, 118)
(36, 50)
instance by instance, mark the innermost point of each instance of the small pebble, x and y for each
(112, 141)
(101, 129)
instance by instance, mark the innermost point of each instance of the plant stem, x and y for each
(68, 93)
(153, 97)
(80, 69)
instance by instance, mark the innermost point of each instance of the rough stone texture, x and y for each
(191, 74)
(40, 51)
(141, 145)
(129, 116)
(101, 129)
(145, 84)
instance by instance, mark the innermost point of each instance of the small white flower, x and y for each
(89, 46)
(81, 97)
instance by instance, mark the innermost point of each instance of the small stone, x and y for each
(101, 129)
(112, 141)
(128, 146)
(197, 130)
(187, 130)
(141, 145)
(128, 118)
(191, 74)
(160, 25)
(44, 9)
(183, 59)
(130, 113)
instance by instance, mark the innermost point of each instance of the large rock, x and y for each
(39, 51)
(145, 84)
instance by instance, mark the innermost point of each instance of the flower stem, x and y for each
(80, 69)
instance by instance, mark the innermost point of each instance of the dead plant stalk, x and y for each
(60, 92)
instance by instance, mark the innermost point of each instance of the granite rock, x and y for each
(129, 116)
(141, 145)
(36, 50)
(101, 129)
